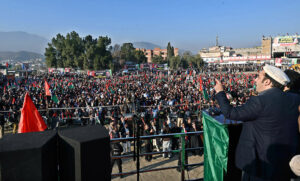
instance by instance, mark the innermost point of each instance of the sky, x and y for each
(187, 24)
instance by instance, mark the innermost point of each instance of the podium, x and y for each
(221, 137)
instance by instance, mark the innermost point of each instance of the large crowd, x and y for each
(85, 100)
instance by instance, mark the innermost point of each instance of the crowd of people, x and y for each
(84, 99)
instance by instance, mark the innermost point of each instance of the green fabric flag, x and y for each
(54, 99)
(205, 95)
(216, 141)
(111, 90)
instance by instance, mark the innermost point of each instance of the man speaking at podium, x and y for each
(269, 138)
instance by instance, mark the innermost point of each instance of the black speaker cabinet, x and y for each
(29, 156)
(84, 154)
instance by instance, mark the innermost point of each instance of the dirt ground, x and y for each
(128, 165)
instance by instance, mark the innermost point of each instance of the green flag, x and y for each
(54, 99)
(205, 95)
(111, 90)
(216, 140)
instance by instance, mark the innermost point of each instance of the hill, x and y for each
(20, 56)
(21, 41)
(145, 45)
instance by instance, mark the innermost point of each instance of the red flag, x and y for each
(200, 81)
(6, 64)
(31, 120)
(47, 87)
(13, 101)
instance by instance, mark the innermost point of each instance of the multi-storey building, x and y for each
(157, 51)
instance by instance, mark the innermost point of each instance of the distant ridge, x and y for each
(16, 41)
(20, 56)
(146, 45)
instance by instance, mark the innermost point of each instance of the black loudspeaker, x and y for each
(84, 154)
(29, 156)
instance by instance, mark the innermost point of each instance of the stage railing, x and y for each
(181, 151)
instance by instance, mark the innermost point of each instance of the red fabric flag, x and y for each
(31, 120)
(47, 89)
(200, 80)
(13, 101)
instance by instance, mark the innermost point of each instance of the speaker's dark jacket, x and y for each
(269, 138)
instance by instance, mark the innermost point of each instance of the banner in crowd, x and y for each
(216, 141)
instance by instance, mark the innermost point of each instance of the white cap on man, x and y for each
(295, 165)
(276, 74)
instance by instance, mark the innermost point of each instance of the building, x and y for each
(215, 54)
(157, 51)
(266, 46)
(244, 52)
(228, 55)
(286, 46)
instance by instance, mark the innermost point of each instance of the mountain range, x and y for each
(145, 45)
(20, 56)
(21, 41)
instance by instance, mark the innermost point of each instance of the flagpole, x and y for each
(47, 110)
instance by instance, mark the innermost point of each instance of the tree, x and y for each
(140, 57)
(170, 51)
(73, 49)
(194, 61)
(116, 51)
(175, 62)
(76, 52)
(59, 44)
(89, 52)
(103, 55)
(158, 59)
(50, 54)
(127, 52)
(199, 61)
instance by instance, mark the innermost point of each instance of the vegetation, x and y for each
(87, 53)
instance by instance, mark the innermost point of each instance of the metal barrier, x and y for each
(182, 151)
